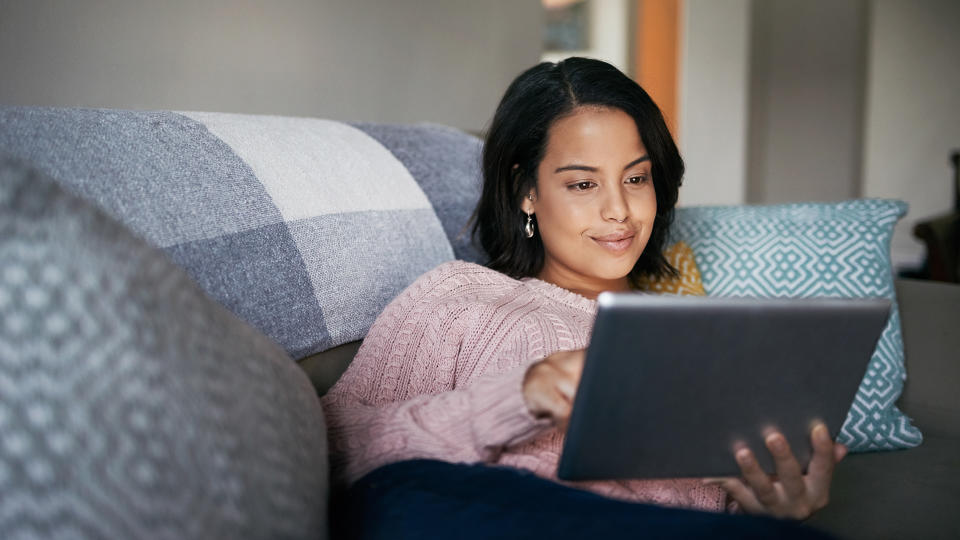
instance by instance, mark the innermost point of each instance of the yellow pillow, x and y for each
(680, 255)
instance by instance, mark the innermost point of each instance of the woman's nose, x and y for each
(614, 206)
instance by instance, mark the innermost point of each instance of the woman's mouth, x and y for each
(616, 243)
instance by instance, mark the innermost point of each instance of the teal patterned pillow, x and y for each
(809, 250)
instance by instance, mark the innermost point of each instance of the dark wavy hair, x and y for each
(516, 142)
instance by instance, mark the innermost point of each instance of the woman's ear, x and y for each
(527, 203)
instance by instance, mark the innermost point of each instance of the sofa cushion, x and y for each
(904, 494)
(813, 250)
(325, 368)
(133, 406)
(304, 228)
(930, 312)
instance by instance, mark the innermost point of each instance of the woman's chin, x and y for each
(616, 271)
(615, 266)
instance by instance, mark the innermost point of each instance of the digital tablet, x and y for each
(671, 385)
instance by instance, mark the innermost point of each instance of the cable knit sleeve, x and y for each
(400, 398)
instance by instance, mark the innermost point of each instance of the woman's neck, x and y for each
(586, 287)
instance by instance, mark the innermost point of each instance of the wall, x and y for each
(806, 100)
(446, 61)
(913, 111)
(713, 100)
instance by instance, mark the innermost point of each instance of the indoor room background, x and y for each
(771, 100)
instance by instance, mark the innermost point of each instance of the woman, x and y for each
(480, 364)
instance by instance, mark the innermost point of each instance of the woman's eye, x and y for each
(636, 179)
(581, 186)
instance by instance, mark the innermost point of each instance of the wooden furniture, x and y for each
(941, 235)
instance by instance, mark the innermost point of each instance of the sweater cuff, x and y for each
(500, 414)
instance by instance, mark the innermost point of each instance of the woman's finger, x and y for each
(744, 496)
(549, 388)
(820, 470)
(560, 405)
(572, 362)
(756, 478)
(789, 472)
(566, 387)
(839, 452)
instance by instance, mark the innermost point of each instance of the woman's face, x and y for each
(594, 202)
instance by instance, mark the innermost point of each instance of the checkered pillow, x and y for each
(305, 228)
(814, 250)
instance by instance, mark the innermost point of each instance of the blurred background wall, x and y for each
(912, 115)
(771, 100)
(390, 61)
(807, 63)
(714, 100)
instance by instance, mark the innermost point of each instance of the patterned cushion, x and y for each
(132, 405)
(305, 228)
(688, 283)
(810, 250)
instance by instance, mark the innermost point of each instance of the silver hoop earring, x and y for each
(529, 226)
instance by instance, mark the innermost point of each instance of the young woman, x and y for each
(476, 364)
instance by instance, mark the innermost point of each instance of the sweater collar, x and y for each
(561, 295)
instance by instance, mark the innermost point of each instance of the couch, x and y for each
(290, 235)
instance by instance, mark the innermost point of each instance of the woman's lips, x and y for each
(617, 243)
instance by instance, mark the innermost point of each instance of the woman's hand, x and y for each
(551, 383)
(790, 493)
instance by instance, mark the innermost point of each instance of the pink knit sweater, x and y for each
(440, 373)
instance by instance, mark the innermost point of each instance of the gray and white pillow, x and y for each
(303, 227)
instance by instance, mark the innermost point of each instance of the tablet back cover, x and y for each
(671, 385)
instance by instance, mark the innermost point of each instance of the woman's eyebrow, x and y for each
(576, 168)
(640, 159)
(588, 168)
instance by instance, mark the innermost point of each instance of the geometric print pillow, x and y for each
(131, 404)
(809, 250)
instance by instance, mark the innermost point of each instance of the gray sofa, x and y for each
(303, 229)
(911, 493)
